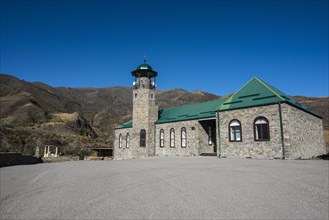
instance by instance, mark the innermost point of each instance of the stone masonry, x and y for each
(249, 147)
(145, 113)
(303, 133)
(301, 140)
(197, 139)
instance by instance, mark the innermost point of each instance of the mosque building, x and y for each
(257, 121)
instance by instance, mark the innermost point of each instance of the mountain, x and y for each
(33, 112)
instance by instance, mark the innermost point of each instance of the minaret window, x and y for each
(142, 138)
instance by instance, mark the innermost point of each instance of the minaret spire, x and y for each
(144, 58)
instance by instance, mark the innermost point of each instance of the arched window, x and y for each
(261, 129)
(142, 138)
(172, 137)
(120, 140)
(161, 138)
(127, 140)
(183, 137)
(235, 131)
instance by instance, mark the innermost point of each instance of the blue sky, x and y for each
(213, 46)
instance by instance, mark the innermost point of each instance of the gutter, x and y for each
(282, 134)
(113, 151)
(218, 131)
(154, 138)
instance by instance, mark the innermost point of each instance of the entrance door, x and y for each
(210, 128)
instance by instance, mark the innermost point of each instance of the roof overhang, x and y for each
(144, 73)
(207, 119)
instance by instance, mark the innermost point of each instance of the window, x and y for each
(209, 136)
(235, 131)
(135, 95)
(151, 95)
(120, 140)
(127, 140)
(161, 138)
(261, 129)
(142, 139)
(183, 137)
(172, 137)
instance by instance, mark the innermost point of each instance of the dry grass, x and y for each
(66, 116)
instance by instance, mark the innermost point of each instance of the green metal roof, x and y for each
(183, 113)
(256, 93)
(144, 70)
(144, 66)
(189, 112)
(128, 124)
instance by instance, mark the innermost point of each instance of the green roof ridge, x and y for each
(230, 98)
(265, 94)
(267, 86)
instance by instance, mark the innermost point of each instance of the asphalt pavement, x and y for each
(167, 188)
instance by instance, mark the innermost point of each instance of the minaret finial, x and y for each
(144, 58)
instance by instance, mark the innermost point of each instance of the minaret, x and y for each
(145, 109)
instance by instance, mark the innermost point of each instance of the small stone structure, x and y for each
(258, 121)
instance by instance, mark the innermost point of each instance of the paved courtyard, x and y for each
(167, 188)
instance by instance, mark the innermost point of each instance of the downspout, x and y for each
(282, 137)
(218, 131)
(154, 138)
(113, 147)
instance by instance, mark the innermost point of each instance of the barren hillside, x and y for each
(32, 113)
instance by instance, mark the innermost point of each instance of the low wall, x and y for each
(97, 158)
(60, 159)
(11, 159)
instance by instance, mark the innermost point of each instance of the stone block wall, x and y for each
(303, 133)
(197, 139)
(134, 150)
(145, 113)
(60, 159)
(123, 152)
(248, 147)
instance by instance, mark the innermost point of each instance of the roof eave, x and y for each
(186, 119)
(144, 73)
(272, 103)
